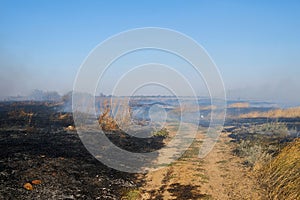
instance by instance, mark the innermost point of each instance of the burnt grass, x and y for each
(35, 144)
(39, 147)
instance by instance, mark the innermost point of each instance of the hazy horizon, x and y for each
(254, 44)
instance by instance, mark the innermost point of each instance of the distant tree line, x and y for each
(39, 95)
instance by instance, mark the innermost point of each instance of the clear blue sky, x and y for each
(255, 44)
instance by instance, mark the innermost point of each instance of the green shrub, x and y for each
(273, 128)
(133, 194)
(252, 153)
(257, 144)
(161, 133)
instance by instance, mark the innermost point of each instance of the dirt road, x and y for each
(220, 175)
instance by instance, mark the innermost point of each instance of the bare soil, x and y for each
(220, 175)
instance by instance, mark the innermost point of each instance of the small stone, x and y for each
(28, 186)
(36, 182)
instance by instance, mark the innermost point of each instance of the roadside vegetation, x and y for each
(273, 155)
(164, 133)
(281, 176)
(132, 194)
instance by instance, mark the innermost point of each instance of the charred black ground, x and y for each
(35, 145)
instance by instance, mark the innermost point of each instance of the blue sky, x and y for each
(255, 44)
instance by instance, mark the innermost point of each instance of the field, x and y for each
(42, 157)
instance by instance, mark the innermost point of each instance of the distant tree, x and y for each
(102, 95)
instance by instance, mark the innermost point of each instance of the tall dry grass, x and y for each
(192, 108)
(282, 175)
(120, 117)
(284, 113)
(239, 105)
(106, 121)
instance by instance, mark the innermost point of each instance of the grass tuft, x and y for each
(133, 194)
(161, 133)
(282, 175)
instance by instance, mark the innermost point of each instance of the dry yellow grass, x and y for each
(63, 116)
(282, 174)
(288, 113)
(213, 107)
(106, 121)
(21, 114)
(193, 108)
(121, 119)
(239, 105)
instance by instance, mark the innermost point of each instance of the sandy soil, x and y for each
(220, 175)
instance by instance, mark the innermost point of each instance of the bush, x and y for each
(106, 121)
(121, 119)
(253, 153)
(273, 128)
(133, 194)
(259, 143)
(161, 133)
